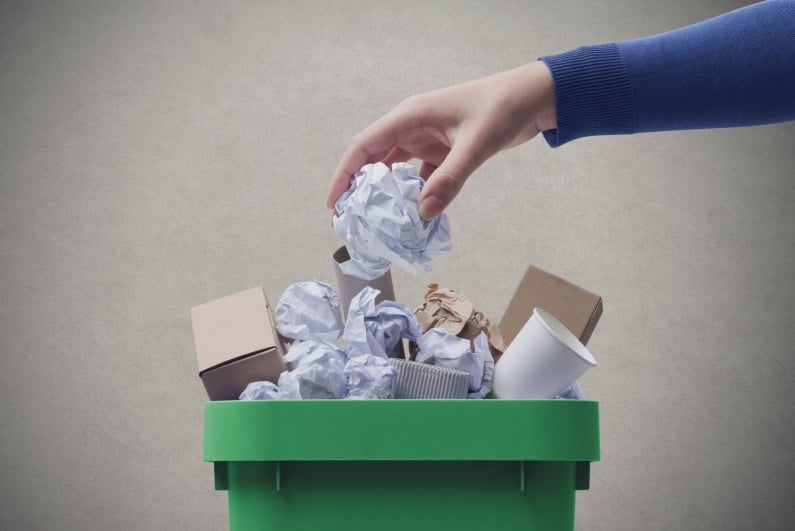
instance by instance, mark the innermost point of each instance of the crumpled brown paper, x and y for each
(451, 311)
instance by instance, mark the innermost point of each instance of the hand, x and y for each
(453, 131)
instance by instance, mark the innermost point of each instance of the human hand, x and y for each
(453, 131)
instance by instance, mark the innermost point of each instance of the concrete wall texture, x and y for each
(157, 155)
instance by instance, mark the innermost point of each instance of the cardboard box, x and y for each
(576, 308)
(236, 343)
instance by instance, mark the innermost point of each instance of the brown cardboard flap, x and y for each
(578, 309)
(232, 327)
(227, 381)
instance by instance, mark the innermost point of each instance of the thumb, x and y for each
(447, 180)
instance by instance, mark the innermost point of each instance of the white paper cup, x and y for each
(543, 360)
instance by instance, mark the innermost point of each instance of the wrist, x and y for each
(532, 90)
(593, 94)
(546, 117)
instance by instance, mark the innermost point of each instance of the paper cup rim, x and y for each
(564, 336)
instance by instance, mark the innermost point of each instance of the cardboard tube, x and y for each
(348, 286)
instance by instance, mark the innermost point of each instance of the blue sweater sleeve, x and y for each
(733, 70)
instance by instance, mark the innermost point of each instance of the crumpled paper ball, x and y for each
(378, 219)
(376, 328)
(311, 382)
(442, 348)
(453, 312)
(309, 310)
(260, 391)
(326, 353)
(318, 372)
(370, 377)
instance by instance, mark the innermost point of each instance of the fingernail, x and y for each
(430, 207)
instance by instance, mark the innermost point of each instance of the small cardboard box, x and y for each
(236, 343)
(576, 308)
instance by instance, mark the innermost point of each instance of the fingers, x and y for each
(370, 145)
(427, 169)
(397, 154)
(416, 128)
(356, 156)
(447, 180)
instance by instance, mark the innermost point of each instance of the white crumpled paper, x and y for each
(317, 373)
(376, 328)
(322, 368)
(325, 353)
(370, 377)
(572, 392)
(379, 221)
(309, 310)
(442, 348)
(260, 391)
(311, 382)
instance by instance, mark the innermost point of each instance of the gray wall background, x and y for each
(157, 155)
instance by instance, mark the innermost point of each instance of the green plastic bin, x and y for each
(364, 465)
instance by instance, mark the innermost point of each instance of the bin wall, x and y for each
(402, 495)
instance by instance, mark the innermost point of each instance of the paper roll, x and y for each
(348, 286)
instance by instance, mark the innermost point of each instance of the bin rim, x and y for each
(401, 430)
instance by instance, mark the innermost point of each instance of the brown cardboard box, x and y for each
(236, 343)
(577, 309)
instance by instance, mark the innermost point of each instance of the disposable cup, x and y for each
(542, 361)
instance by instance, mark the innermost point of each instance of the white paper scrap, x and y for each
(370, 377)
(442, 348)
(309, 310)
(379, 221)
(376, 328)
(318, 371)
(260, 391)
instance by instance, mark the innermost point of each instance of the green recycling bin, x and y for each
(389, 465)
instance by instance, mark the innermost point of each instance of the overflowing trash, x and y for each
(330, 360)
(321, 344)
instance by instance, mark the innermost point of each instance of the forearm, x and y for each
(734, 70)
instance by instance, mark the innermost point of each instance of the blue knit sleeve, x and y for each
(733, 70)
